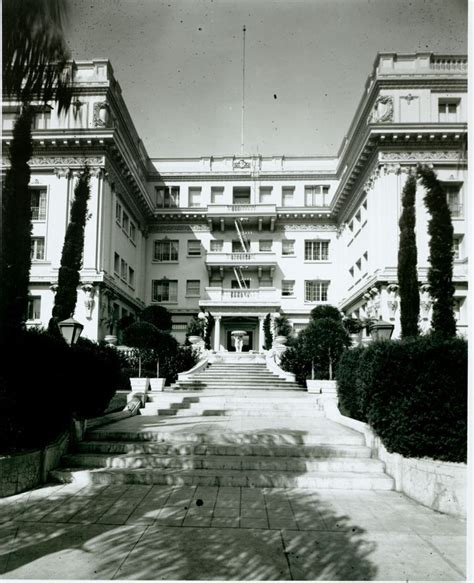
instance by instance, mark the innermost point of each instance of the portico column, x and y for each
(261, 336)
(217, 333)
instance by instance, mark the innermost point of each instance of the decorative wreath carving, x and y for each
(382, 111)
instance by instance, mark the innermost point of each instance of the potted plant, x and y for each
(142, 336)
(354, 328)
(195, 330)
(322, 344)
(110, 319)
(283, 329)
(165, 349)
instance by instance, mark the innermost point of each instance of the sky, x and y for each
(179, 64)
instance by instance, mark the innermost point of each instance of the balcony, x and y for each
(224, 297)
(240, 259)
(227, 213)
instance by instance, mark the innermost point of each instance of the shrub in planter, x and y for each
(348, 389)
(143, 336)
(159, 316)
(195, 327)
(418, 397)
(128, 373)
(95, 378)
(35, 400)
(283, 326)
(292, 360)
(326, 311)
(183, 359)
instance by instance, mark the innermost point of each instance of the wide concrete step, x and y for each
(178, 399)
(238, 462)
(233, 386)
(150, 409)
(248, 478)
(266, 438)
(324, 450)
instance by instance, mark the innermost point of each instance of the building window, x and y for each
(457, 247)
(316, 250)
(37, 249)
(217, 194)
(167, 197)
(217, 246)
(237, 247)
(453, 197)
(166, 250)
(194, 248)
(288, 196)
(193, 287)
(316, 291)
(34, 308)
(8, 120)
(118, 213)
(164, 290)
(125, 222)
(195, 197)
(288, 247)
(123, 269)
(448, 110)
(287, 288)
(133, 232)
(38, 204)
(116, 263)
(265, 245)
(316, 195)
(265, 194)
(131, 277)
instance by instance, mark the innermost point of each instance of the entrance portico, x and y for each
(251, 323)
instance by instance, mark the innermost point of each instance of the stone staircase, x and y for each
(236, 376)
(241, 426)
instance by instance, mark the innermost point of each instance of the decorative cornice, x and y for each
(167, 228)
(422, 156)
(306, 227)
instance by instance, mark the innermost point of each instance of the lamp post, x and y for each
(71, 330)
(381, 330)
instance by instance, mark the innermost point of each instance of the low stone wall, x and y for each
(25, 470)
(441, 486)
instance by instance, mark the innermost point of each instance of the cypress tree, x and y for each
(71, 258)
(16, 228)
(267, 332)
(440, 273)
(407, 259)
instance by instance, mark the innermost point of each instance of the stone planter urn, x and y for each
(322, 387)
(194, 339)
(282, 340)
(238, 336)
(157, 384)
(111, 339)
(140, 387)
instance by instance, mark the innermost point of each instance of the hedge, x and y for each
(413, 393)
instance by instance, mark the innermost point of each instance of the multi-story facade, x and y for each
(244, 236)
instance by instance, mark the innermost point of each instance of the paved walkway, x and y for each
(159, 532)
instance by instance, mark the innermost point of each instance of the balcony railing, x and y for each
(217, 295)
(240, 258)
(223, 209)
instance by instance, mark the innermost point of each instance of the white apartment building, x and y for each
(244, 236)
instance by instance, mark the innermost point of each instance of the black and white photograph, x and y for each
(234, 290)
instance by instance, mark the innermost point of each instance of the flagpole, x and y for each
(243, 94)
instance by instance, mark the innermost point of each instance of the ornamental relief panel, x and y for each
(181, 228)
(421, 155)
(306, 227)
(382, 111)
(66, 161)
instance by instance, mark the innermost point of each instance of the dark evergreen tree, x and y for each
(159, 316)
(267, 332)
(16, 229)
(71, 258)
(407, 261)
(34, 54)
(326, 311)
(440, 273)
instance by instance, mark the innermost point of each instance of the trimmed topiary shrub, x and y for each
(413, 393)
(292, 360)
(267, 332)
(96, 378)
(350, 399)
(326, 311)
(35, 395)
(159, 316)
(144, 337)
